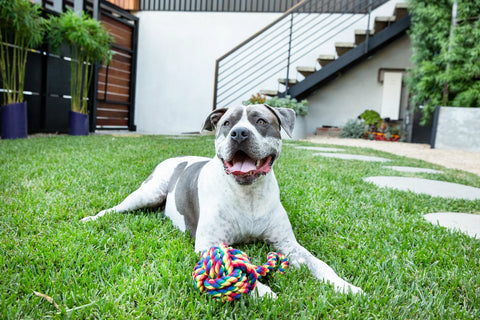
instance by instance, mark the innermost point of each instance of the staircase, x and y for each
(366, 42)
(293, 39)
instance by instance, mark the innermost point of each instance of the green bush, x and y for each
(445, 72)
(300, 108)
(371, 117)
(354, 128)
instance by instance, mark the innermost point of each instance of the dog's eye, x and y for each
(261, 121)
(226, 123)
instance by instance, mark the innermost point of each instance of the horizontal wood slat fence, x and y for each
(115, 82)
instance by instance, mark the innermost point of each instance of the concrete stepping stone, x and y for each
(346, 156)
(412, 169)
(465, 222)
(325, 149)
(426, 186)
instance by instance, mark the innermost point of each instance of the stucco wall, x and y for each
(357, 89)
(176, 61)
(176, 64)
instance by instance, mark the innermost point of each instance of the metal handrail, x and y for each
(273, 49)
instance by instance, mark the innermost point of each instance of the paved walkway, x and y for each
(457, 159)
(468, 161)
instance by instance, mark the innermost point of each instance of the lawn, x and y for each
(138, 265)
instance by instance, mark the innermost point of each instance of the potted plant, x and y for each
(21, 28)
(372, 119)
(89, 43)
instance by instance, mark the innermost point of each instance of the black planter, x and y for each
(14, 120)
(78, 123)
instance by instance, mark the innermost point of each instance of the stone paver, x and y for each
(427, 186)
(465, 222)
(346, 156)
(326, 149)
(412, 169)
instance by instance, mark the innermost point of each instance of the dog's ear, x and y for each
(286, 117)
(213, 118)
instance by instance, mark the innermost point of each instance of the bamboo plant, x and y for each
(21, 28)
(89, 43)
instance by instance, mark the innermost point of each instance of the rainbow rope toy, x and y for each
(226, 273)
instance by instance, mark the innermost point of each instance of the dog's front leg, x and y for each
(298, 255)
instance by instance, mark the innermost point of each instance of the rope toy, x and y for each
(226, 273)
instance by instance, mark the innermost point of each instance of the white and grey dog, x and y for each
(236, 192)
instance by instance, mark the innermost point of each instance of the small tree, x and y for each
(21, 28)
(89, 43)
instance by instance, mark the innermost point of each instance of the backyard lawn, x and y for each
(138, 265)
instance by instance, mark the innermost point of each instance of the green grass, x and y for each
(138, 266)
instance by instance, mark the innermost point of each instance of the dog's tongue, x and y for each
(242, 165)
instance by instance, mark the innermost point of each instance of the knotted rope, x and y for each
(226, 273)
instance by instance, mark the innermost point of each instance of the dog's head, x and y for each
(248, 138)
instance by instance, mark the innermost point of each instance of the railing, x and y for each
(218, 5)
(271, 52)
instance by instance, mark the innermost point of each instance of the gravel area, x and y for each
(453, 159)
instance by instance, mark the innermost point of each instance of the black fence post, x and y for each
(289, 54)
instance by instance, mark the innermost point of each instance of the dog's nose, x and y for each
(240, 134)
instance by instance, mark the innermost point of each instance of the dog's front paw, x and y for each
(263, 291)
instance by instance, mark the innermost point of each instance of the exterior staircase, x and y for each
(385, 30)
(273, 55)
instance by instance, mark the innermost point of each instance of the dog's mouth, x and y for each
(245, 169)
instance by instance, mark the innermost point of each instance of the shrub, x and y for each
(300, 108)
(354, 128)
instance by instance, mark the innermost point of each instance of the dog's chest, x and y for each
(236, 213)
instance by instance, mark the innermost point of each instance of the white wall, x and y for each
(356, 90)
(176, 64)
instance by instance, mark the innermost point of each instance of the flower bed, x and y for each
(383, 137)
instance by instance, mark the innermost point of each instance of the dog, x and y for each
(234, 196)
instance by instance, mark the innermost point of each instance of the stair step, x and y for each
(383, 22)
(361, 35)
(401, 10)
(291, 82)
(306, 71)
(270, 93)
(343, 47)
(325, 59)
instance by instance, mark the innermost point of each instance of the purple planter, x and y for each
(78, 124)
(14, 120)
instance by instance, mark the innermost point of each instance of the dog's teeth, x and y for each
(258, 163)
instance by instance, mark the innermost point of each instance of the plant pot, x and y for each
(78, 123)
(14, 121)
(300, 130)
